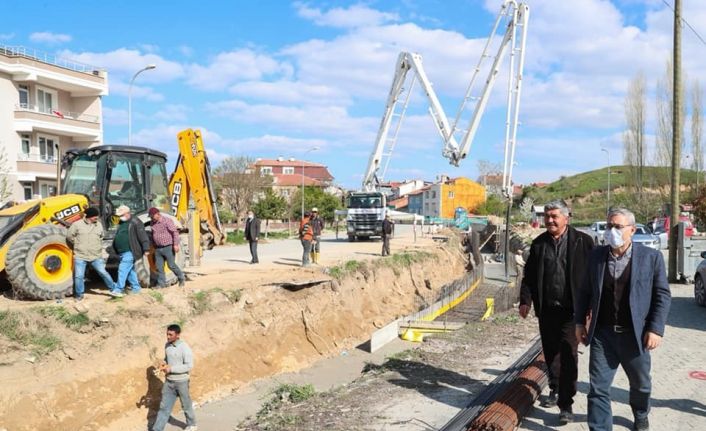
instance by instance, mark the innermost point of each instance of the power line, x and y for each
(687, 24)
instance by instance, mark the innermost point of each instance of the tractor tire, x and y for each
(147, 275)
(39, 263)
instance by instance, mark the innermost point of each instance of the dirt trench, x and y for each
(102, 378)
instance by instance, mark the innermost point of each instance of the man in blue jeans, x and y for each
(178, 362)
(625, 299)
(131, 244)
(86, 237)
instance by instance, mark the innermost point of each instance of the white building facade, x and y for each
(47, 105)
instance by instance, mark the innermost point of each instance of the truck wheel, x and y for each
(147, 273)
(700, 291)
(39, 263)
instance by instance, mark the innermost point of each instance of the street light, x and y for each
(129, 101)
(608, 154)
(305, 152)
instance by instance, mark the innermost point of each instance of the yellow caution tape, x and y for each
(489, 308)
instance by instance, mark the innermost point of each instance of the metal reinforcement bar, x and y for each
(516, 390)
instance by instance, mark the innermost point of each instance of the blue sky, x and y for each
(272, 78)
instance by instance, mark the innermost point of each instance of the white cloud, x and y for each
(123, 63)
(138, 92)
(173, 113)
(114, 117)
(7, 36)
(186, 50)
(286, 92)
(231, 67)
(353, 16)
(49, 38)
(149, 48)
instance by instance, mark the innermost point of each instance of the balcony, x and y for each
(33, 166)
(27, 64)
(81, 127)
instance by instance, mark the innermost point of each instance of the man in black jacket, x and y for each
(388, 227)
(553, 273)
(252, 234)
(132, 244)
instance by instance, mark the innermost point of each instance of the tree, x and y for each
(326, 203)
(270, 207)
(634, 137)
(697, 113)
(5, 185)
(493, 206)
(526, 208)
(237, 183)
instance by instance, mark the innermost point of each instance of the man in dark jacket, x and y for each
(317, 224)
(552, 275)
(132, 244)
(387, 228)
(625, 298)
(252, 234)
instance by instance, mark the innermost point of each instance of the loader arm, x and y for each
(191, 182)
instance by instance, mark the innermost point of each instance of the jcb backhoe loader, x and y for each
(34, 255)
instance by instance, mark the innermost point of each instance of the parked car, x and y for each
(700, 282)
(644, 237)
(596, 231)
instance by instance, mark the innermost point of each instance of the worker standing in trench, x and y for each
(554, 271)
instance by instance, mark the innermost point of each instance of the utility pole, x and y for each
(676, 145)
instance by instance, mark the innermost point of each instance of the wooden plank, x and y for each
(451, 326)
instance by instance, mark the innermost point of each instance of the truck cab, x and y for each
(366, 212)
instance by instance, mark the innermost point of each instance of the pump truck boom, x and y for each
(34, 255)
(367, 221)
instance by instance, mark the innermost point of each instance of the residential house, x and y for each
(493, 184)
(399, 204)
(415, 201)
(47, 105)
(442, 198)
(406, 187)
(288, 175)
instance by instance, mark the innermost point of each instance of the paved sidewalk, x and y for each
(678, 400)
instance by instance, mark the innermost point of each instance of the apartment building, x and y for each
(288, 174)
(47, 105)
(443, 197)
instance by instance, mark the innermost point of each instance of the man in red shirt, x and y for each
(165, 238)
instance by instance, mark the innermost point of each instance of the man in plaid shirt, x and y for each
(165, 238)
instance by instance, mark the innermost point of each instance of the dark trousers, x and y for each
(556, 328)
(385, 245)
(253, 251)
(160, 255)
(317, 240)
(608, 350)
(306, 243)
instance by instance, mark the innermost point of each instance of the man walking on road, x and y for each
(317, 224)
(388, 226)
(165, 238)
(131, 243)
(252, 234)
(306, 234)
(178, 362)
(86, 237)
(553, 272)
(625, 299)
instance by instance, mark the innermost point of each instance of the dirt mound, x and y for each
(89, 369)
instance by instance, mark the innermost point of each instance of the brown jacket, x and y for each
(86, 239)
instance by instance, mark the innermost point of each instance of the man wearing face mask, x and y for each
(131, 243)
(252, 234)
(626, 299)
(553, 272)
(86, 237)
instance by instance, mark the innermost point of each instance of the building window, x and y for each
(426, 206)
(25, 145)
(288, 170)
(28, 191)
(433, 194)
(266, 170)
(46, 101)
(46, 149)
(24, 96)
(451, 195)
(285, 193)
(426, 194)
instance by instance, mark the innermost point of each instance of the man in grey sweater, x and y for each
(178, 363)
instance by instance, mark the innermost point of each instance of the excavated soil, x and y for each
(59, 372)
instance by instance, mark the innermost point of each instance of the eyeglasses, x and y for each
(609, 226)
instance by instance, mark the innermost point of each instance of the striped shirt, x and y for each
(164, 233)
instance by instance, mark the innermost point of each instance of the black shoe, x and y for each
(641, 425)
(566, 416)
(550, 401)
(181, 283)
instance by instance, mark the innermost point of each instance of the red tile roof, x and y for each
(283, 180)
(400, 203)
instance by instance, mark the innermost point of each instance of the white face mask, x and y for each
(614, 237)
(250, 216)
(124, 218)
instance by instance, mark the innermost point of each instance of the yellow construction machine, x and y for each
(34, 255)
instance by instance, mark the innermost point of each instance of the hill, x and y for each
(587, 192)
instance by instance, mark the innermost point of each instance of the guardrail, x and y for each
(22, 157)
(45, 57)
(57, 113)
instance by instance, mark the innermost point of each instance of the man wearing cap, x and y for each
(131, 243)
(86, 237)
(165, 238)
(387, 228)
(317, 225)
